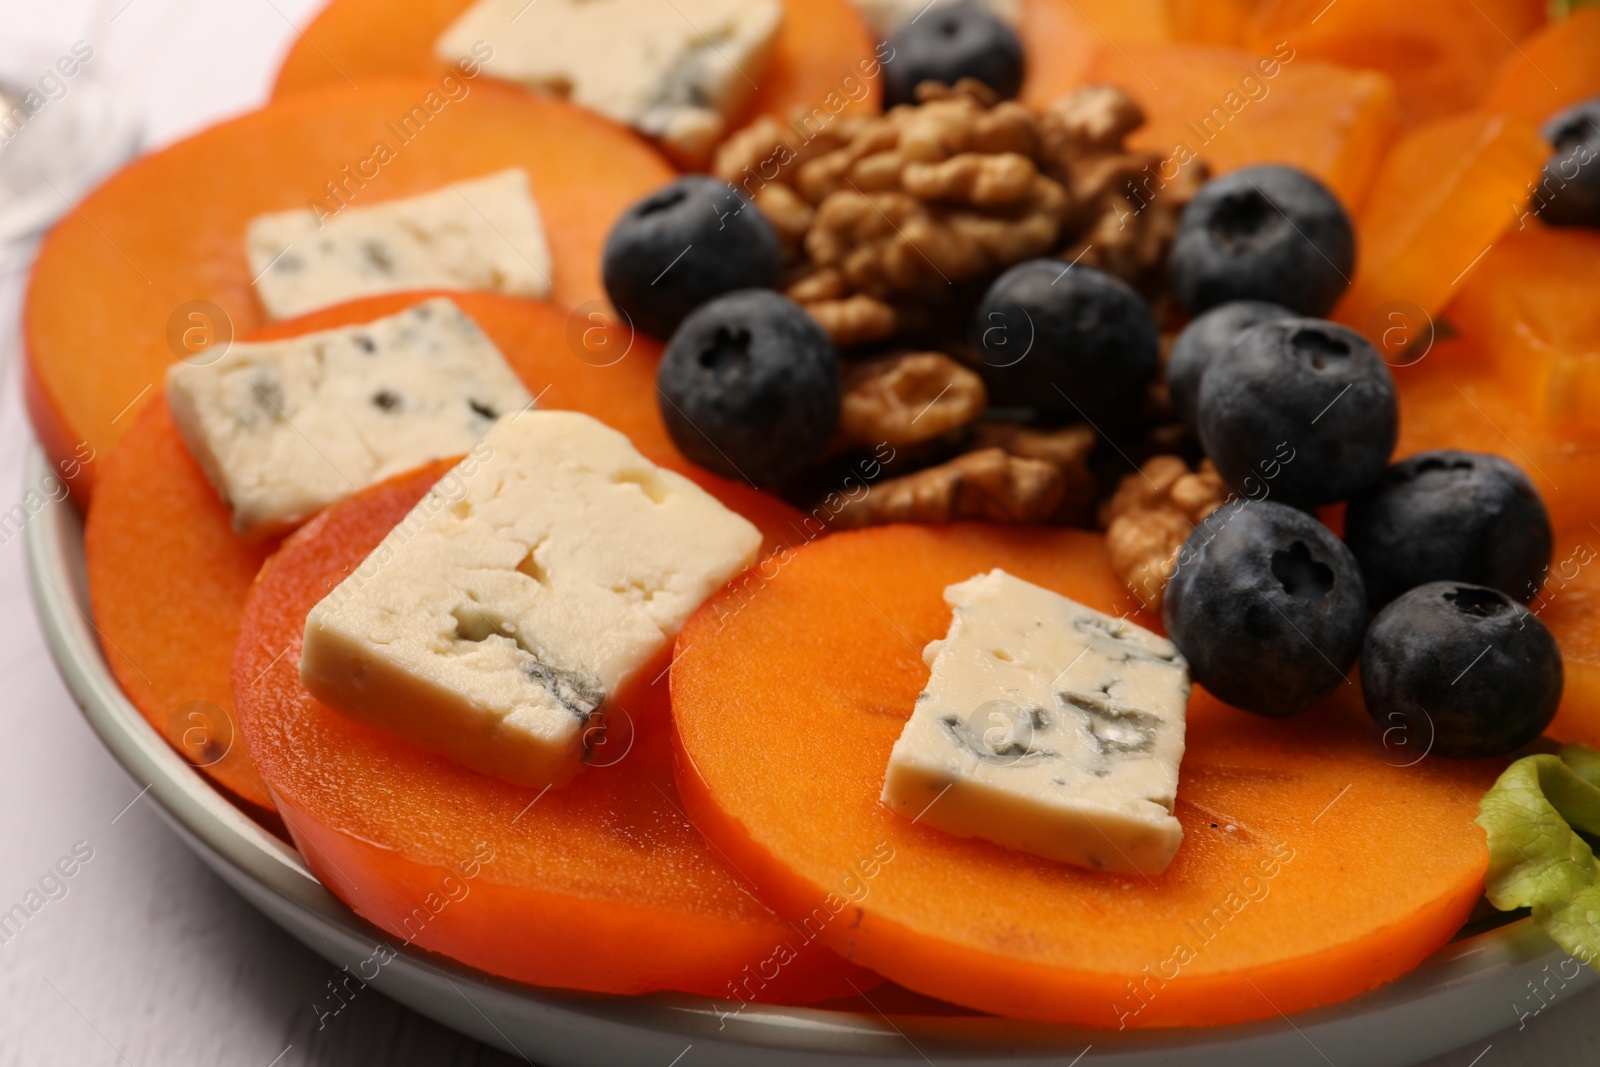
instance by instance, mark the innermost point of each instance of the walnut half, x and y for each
(879, 214)
(1150, 516)
(987, 485)
(1067, 447)
(853, 320)
(909, 398)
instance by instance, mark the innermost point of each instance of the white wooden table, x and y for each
(145, 958)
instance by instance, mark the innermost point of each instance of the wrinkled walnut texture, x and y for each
(897, 207)
(1068, 448)
(988, 485)
(909, 398)
(880, 213)
(1150, 516)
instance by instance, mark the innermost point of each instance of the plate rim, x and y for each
(205, 816)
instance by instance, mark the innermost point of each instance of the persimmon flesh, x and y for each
(168, 576)
(1317, 862)
(156, 255)
(601, 885)
(823, 51)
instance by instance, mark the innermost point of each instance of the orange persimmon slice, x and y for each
(117, 282)
(1569, 604)
(1060, 39)
(1451, 399)
(168, 576)
(1440, 53)
(1223, 22)
(1233, 108)
(601, 885)
(167, 579)
(823, 50)
(1442, 196)
(1556, 67)
(1314, 865)
(1530, 306)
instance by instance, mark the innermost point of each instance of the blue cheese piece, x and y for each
(485, 234)
(284, 428)
(676, 70)
(1046, 727)
(521, 596)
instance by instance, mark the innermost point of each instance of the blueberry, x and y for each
(1267, 606)
(1465, 671)
(1269, 233)
(1570, 190)
(948, 43)
(1450, 516)
(1301, 410)
(1199, 343)
(694, 238)
(749, 386)
(1075, 343)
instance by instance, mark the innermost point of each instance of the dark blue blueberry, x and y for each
(690, 240)
(948, 43)
(749, 386)
(1199, 344)
(1267, 606)
(1463, 670)
(1268, 232)
(1076, 343)
(1570, 191)
(1299, 410)
(1454, 517)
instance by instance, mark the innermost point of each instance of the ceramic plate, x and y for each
(1467, 990)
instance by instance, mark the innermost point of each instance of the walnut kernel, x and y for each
(1150, 516)
(909, 398)
(1068, 448)
(987, 485)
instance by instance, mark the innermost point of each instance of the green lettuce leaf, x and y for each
(1560, 9)
(1535, 816)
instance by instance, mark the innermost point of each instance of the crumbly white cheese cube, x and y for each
(1046, 727)
(676, 70)
(521, 595)
(886, 16)
(284, 428)
(485, 234)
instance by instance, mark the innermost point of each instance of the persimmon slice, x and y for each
(822, 43)
(601, 885)
(1443, 195)
(119, 282)
(1219, 104)
(1530, 306)
(168, 576)
(1569, 604)
(1221, 22)
(1558, 66)
(1060, 39)
(1440, 53)
(1315, 864)
(167, 579)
